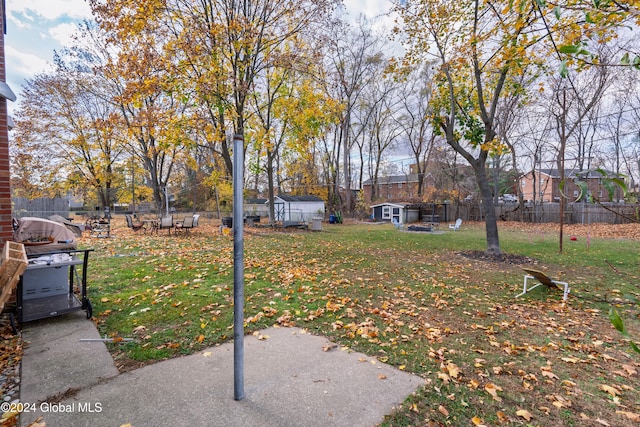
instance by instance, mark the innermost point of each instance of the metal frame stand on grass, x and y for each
(543, 279)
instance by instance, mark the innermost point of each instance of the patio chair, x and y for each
(135, 226)
(166, 223)
(185, 225)
(456, 226)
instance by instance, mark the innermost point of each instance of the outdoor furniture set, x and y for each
(165, 222)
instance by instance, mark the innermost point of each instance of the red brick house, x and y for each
(547, 186)
(6, 229)
(396, 187)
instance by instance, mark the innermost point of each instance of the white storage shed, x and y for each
(298, 208)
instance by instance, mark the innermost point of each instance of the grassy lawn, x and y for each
(412, 300)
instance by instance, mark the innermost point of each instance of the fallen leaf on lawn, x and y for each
(493, 389)
(570, 359)
(479, 362)
(474, 383)
(608, 389)
(200, 338)
(603, 422)
(502, 417)
(453, 370)
(629, 369)
(546, 372)
(631, 415)
(444, 377)
(524, 414)
(477, 421)
(559, 401)
(104, 299)
(443, 411)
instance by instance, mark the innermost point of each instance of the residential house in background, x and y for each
(396, 187)
(547, 186)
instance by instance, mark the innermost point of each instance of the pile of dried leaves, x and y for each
(596, 230)
(10, 357)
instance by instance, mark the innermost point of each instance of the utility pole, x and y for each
(238, 268)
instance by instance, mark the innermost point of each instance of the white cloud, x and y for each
(376, 11)
(62, 33)
(49, 9)
(25, 63)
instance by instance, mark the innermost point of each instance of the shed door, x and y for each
(395, 215)
(278, 210)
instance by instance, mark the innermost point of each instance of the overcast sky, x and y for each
(36, 28)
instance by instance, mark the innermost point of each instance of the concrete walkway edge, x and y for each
(290, 380)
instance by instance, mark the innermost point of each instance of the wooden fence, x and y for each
(575, 213)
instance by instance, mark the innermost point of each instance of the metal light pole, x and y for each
(238, 268)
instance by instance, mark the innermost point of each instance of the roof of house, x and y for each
(256, 201)
(572, 173)
(307, 198)
(394, 179)
(396, 204)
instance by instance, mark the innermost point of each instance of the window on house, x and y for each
(575, 193)
(524, 182)
(399, 185)
(600, 194)
(386, 212)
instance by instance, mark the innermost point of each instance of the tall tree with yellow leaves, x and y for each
(215, 49)
(61, 119)
(134, 64)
